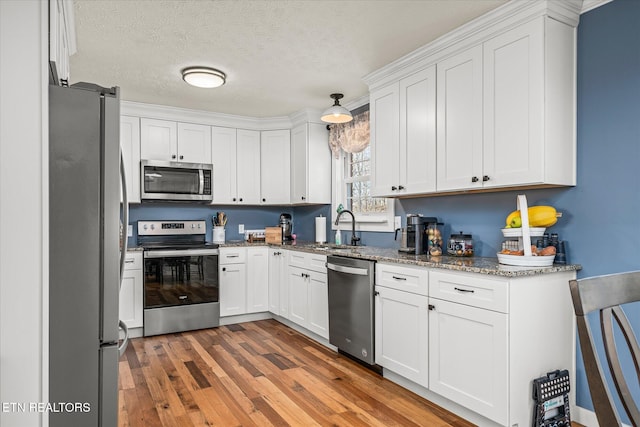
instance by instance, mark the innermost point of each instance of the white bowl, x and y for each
(517, 232)
(526, 261)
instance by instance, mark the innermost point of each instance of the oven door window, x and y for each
(181, 280)
(159, 180)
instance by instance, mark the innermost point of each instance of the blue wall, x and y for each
(599, 221)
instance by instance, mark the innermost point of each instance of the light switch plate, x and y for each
(397, 222)
(129, 230)
(241, 228)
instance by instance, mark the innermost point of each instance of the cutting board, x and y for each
(273, 235)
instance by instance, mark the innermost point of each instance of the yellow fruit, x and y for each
(516, 222)
(539, 216)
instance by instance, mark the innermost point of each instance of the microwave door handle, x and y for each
(125, 215)
(201, 174)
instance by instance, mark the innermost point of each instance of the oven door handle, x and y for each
(180, 253)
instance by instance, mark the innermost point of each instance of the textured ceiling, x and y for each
(279, 56)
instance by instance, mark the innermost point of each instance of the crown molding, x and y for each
(503, 18)
(588, 5)
(308, 115)
(163, 112)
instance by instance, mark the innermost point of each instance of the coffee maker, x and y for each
(287, 225)
(416, 233)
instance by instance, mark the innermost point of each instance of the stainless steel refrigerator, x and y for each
(85, 254)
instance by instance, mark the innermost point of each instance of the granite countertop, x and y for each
(482, 265)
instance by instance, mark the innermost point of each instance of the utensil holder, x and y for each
(218, 234)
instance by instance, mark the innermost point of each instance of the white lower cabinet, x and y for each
(308, 292)
(233, 281)
(278, 283)
(132, 292)
(257, 279)
(401, 321)
(401, 333)
(468, 349)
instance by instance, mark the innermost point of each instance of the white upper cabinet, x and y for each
(310, 164)
(514, 94)
(505, 106)
(403, 135)
(460, 121)
(130, 145)
(275, 167)
(158, 140)
(194, 143)
(236, 166)
(248, 167)
(223, 158)
(62, 39)
(176, 142)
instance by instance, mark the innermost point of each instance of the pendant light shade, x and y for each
(336, 113)
(204, 77)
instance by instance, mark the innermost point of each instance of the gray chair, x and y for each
(606, 294)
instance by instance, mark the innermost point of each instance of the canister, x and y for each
(460, 245)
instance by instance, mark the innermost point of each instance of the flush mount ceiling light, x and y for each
(337, 113)
(203, 77)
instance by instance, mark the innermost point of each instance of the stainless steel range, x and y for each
(181, 285)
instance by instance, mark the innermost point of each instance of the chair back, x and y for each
(605, 294)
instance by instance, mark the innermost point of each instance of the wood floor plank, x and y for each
(259, 374)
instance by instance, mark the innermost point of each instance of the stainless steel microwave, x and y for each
(161, 180)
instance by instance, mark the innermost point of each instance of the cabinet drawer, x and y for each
(232, 256)
(309, 261)
(469, 289)
(317, 263)
(403, 278)
(133, 261)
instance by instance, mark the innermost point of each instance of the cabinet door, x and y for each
(299, 152)
(233, 289)
(318, 175)
(468, 357)
(401, 334)
(130, 145)
(131, 294)
(194, 143)
(418, 132)
(284, 284)
(223, 158)
(275, 276)
(298, 295)
(459, 117)
(248, 167)
(384, 116)
(257, 279)
(318, 295)
(158, 140)
(514, 105)
(275, 167)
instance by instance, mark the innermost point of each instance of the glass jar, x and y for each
(434, 239)
(460, 245)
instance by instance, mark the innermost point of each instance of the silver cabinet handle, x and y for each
(348, 270)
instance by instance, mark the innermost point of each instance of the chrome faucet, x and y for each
(354, 239)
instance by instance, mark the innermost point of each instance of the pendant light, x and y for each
(336, 113)
(204, 77)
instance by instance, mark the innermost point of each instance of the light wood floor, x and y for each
(259, 373)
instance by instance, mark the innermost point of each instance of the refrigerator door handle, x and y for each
(125, 216)
(125, 342)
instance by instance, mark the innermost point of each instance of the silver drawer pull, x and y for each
(399, 278)
(464, 290)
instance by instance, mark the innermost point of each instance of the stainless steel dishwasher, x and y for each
(351, 306)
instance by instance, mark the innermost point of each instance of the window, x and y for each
(352, 177)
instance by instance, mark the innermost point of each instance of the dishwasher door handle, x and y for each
(348, 270)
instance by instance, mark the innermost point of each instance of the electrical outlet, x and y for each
(129, 230)
(397, 222)
(241, 228)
